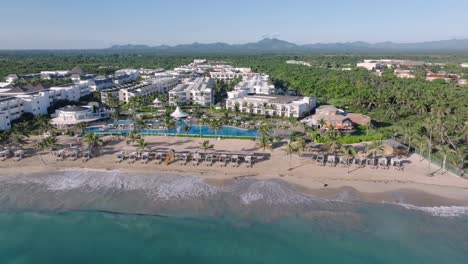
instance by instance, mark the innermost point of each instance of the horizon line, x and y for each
(234, 44)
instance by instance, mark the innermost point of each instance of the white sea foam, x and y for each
(442, 211)
(273, 192)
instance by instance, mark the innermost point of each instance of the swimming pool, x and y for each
(195, 130)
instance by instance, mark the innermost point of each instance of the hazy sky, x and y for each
(100, 23)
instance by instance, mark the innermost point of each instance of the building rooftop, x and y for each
(73, 108)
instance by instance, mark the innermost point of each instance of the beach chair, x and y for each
(132, 157)
(75, 154)
(249, 161)
(144, 157)
(19, 155)
(357, 162)
(235, 160)
(383, 163)
(396, 163)
(321, 160)
(120, 156)
(363, 162)
(209, 159)
(343, 161)
(372, 163)
(223, 160)
(87, 155)
(158, 157)
(4, 154)
(331, 160)
(185, 158)
(60, 155)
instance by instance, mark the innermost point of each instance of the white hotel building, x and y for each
(193, 91)
(252, 84)
(150, 87)
(273, 105)
(14, 101)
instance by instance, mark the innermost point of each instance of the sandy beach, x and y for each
(302, 172)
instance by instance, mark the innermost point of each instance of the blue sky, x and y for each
(100, 23)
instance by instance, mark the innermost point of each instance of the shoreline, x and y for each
(410, 186)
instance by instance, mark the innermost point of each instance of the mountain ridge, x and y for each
(277, 45)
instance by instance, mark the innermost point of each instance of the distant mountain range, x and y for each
(274, 45)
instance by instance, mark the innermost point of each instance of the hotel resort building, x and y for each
(272, 105)
(328, 115)
(252, 84)
(72, 115)
(151, 87)
(16, 100)
(193, 91)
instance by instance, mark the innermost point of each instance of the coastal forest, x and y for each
(430, 117)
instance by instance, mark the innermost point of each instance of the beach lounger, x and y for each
(19, 155)
(383, 163)
(132, 157)
(331, 160)
(372, 163)
(321, 160)
(235, 161)
(120, 156)
(223, 160)
(158, 157)
(396, 163)
(249, 161)
(185, 157)
(144, 157)
(209, 159)
(60, 155)
(75, 154)
(87, 155)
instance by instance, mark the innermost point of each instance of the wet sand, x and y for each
(412, 185)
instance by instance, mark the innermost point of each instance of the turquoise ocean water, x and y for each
(59, 219)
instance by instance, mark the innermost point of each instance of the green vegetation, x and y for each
(430, 116)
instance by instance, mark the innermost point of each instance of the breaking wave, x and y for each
(442, 211)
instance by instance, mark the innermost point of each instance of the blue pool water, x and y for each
(195, 130)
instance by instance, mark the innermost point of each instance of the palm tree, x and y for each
(313, 133)
(374, 148)
(293, 122)
(429, 124)
(92, 140)
(301, 145)
(236, 107)
(135, 104)
(18, 139)
(169, 122)
(215, 125)
(348, 152)
(133, 137)
(47, 143)
(43, 124)
(186, 129)
(264, 141)
(291, 149)
(22, 128)
(142, 144)
(333, 145)
(4, 136)
(81, 128)
(265, 129)
(322, 124)
(205, 145)
(444, 151)
(139, 124)
(251, 107)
